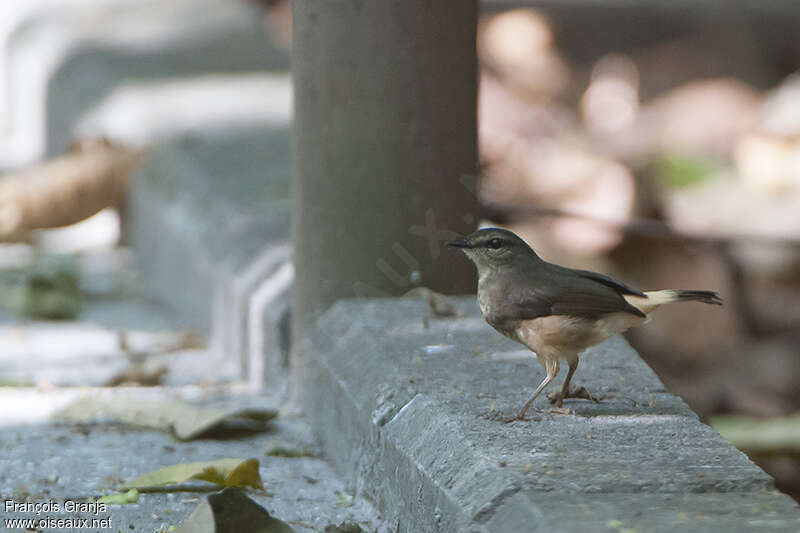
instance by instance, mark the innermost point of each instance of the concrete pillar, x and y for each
(384, 147)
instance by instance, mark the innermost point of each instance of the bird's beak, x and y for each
(458, 243)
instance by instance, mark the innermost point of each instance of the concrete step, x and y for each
(410, 408)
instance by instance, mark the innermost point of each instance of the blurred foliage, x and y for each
(52, 288)
(760, 435)
(676, 170)
(48, 288)
(11, 382)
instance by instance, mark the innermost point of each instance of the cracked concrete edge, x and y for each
(408, 497)
(417, 457)
(371, 448)
(383, 465)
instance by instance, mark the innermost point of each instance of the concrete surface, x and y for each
(88, 351)
(44, 457)
(410, 407)
(209, 217)
(60, 58)
(140, 114)
(51, 461)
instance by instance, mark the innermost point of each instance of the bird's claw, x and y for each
(520, 417)
(558, 397)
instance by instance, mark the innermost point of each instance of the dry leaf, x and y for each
(224, 472)
(184, 420)
(231, 511)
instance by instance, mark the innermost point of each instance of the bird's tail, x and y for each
(679, 295)
(658, 298)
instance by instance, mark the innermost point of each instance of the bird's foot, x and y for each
(520, 417)
(561, 411)
(579, 392)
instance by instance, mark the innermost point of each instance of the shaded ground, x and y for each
(54, 461)
(124, 340)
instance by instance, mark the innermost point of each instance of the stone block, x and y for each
(409, 407)
(59, 59)
(209, 216)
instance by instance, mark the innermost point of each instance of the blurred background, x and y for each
(656, 142)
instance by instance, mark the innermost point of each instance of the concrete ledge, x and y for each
(408, 407)
(209, 217)
(58, 61)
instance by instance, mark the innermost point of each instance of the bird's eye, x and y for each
(494, 244)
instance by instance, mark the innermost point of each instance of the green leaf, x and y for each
(224, 472)
(132, 496)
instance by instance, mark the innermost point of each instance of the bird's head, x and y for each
(493, 248)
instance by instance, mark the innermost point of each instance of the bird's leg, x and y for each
(558, 397)
(565, 392)
(552, 372)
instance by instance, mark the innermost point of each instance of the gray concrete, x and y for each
(140, 114)
(380, 142)
(209, 217)
(46, 457)
(43, 462)
(58, 59)
(87, 351)
(409, 407)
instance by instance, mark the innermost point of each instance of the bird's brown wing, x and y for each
(591, 303)
(566, 292)
(608, 281)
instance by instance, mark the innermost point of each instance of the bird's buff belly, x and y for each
(564, 337)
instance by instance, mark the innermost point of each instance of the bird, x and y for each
(555, 311)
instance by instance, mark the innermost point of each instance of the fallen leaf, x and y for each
(344, 500)
(344, 527)
(281, 449)
(183, 420)
(231, 511)
(224, 472)
(147, 373)
(132, 496)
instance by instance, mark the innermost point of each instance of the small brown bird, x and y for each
(556, 311)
